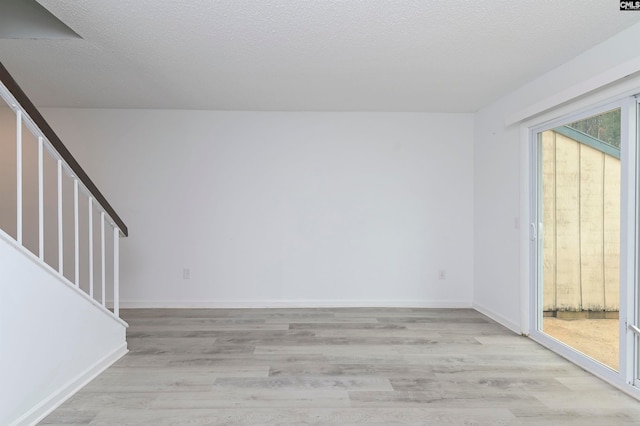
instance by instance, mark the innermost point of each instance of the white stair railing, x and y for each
(57, 230)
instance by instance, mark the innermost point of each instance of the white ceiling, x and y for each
(331, 55)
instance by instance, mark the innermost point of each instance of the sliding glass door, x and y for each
(583, 238)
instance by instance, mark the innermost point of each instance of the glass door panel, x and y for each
(579, 235)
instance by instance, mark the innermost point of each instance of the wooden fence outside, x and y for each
(581, 225)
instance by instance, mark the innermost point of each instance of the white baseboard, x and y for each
(498, 318)
(314, 303)
(45, 407)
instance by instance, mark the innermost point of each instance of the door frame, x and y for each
(625, 378)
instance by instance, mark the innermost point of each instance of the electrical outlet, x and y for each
(442, 274)
(186, 274)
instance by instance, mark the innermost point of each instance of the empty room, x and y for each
(336, 212)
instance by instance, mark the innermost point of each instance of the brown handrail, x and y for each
(57, 144)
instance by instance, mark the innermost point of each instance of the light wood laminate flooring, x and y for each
(348, 366)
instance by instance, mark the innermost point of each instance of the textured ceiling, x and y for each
(331, 55)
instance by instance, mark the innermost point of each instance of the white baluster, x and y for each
(91, 247)
(60, 237)
(19, 175)
(76, 242)
(104, 275)
(116, 271)
(40, 198)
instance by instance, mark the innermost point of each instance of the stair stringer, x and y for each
(54, 339)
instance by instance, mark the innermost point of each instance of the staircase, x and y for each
(59, 267)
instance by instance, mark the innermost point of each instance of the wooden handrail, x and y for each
(57, 144)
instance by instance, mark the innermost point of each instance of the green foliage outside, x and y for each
(605, 127)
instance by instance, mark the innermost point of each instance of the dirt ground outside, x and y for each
(596, 338)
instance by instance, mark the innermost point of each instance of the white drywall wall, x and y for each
(272, 208)
(499, 164)
(52, 339)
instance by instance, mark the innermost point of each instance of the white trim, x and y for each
(66, 391)
(63, 280)
(525, 218)
(632, 296)
(315, 303)
(498, 318)
(612, 75)
(606, 95)
(628, 233)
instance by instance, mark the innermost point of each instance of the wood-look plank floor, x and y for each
(360, 366)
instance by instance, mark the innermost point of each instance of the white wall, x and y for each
(51, 339)
(498, 166)
(284, 208)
